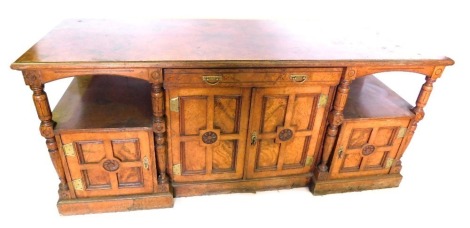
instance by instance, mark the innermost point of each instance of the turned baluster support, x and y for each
(159, 125)
(46, 128)
(335, 119)
(418, 110)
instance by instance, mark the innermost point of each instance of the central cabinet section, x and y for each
(227, 124)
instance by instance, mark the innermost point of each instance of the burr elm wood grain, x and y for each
(211, 106)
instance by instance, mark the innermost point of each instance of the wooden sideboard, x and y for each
(169, 108)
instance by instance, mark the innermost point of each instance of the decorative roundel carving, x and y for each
(111, 165)
(368, 149)
(285, 134)
(351, 73)
(209, 137)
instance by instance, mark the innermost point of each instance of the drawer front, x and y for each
(251, 77)
(109, 163)
(367, 147)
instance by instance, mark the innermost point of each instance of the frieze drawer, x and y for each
(251, 77)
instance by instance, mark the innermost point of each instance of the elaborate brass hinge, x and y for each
(340, 152)
(322, 100)
(177, 169)
(402, 132)
(389, 163)
(174, 104)
(68, 149)
(146, 162)
(309, 161)
(78, 184)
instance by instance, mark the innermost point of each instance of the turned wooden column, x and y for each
(418, 110)
(159, 124)
(335, 119)
(32, 78)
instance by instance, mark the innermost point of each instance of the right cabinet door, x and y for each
(285, 124)
(367, 147)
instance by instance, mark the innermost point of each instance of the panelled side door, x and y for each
(110, 163)
(367, 147)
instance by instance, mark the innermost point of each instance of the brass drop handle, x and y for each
(146, 162)
(212, 80)
(254, 138)
(299, 78)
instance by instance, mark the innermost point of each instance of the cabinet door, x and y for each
(367, 147)
(110, 163)
(208, 133)
(284, 128)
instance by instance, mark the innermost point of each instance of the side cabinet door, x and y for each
(207, 133)
(284, 127)
(367, 147)
(109, 163)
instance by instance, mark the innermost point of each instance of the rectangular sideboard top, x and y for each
(210, 43)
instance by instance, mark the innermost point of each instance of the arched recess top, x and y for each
(430, 71)
(36, 77)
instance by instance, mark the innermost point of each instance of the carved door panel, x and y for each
(284, 127)
(109, 163)
(208, 133)
(367, 147)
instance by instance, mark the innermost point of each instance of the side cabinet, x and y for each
(104, 135)
(370, 140)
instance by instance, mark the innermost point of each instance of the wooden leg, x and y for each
(418, 110)
(335, 119)
(159, 128)
(47, 131)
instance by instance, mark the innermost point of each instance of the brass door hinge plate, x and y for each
(174, 104)
(146, 162)
(68, 149)
(309, 161)
(389, 163)
(322, 100)
(78, 184)
(340, 152)
(177, 169)
(402, 132)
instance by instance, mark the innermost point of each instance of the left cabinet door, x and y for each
(207, 134)
(109, 163)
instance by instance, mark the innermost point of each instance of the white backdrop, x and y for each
(434, 188)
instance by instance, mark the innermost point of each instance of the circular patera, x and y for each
(111, 165)
(285, 134)
(368, 149)
(209, 137)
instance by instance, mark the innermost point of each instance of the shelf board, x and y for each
(371, 98)
(104, 102)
